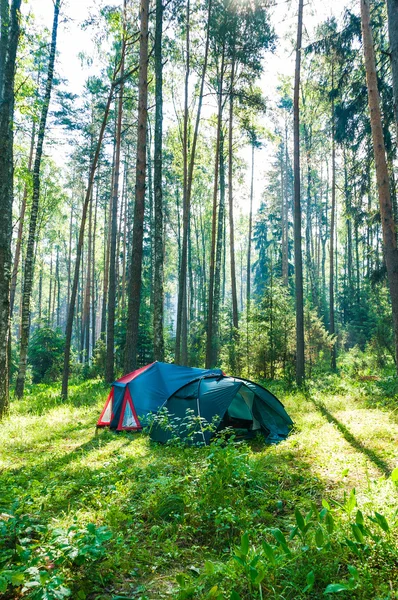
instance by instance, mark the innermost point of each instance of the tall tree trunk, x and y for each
(210, 341)
(184, 252)
(285, 220)
(29, 260)
(107, 247)
(125, 230)
(79, 247)
(235, 321)
(9, 36)
(49, 322)
(248, 261)
(17, 254)
(219, 246)
(57, 283)
(70, 254)
(392, 9)
(332, 228)
(298, 259)
(383, 187)
(182, 329)
(110, 333)
(93, 282)
(158, 292)
(130, 360)
(87, 292)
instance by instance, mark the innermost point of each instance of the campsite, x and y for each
(198, 299)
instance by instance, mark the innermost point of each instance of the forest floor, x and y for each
(117, 516)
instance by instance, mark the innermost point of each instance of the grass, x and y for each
(117, 516)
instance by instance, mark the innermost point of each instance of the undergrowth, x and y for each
(117, 516)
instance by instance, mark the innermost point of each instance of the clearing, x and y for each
(116, 516)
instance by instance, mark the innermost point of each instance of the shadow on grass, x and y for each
(58, 465)
(379, 462)
(40, 398)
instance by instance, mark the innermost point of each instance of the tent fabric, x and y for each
(188, 393)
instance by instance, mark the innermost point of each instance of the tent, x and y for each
(207, 393)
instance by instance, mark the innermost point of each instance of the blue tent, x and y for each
(207, 393)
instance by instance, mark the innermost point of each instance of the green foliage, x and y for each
(119, 516)
(45, 355)
(36, 560)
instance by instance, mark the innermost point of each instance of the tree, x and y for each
(110, 338)
(211, 357)
(181, 312)
(79, 249)
(383, 182)
(34, 211)
(298, 259)
(9, 35)
(158, 293)
(130, 358)
(392, 8)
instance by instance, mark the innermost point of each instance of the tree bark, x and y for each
(9, 36)
(210, 342)
(158, 291)
(182, 330)
(285, 220)
(130, 360)
(219, 247)
(235, 318)
(331, 254)
(29, 260)
(79, 247)
(110, 333)
(248, 261)
(392, 9)
(383, 187)
(17, 254)
(298, 259)
(184, 250)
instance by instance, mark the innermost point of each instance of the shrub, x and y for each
(45, 355)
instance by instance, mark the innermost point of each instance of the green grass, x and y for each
(177, 515)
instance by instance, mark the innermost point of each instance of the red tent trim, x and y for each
(102, 423)
(128, 398)
(133, 375)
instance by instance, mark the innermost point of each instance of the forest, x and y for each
(209, 184)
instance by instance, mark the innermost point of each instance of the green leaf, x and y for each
(353, 547)
(394, 475)
(359, 518)
(353, 571)
(326, 504)
(319, 538)
(17, 579)
(3, 585)
(299, 519)
(244, 544)
(260, 576)
(310, 579)
(335, 588)
(209, 568)
(235, 596)
(351, 502)
(239, 560)
(329, 522)
(357, 533)
(269, 553)
(382, 521)
(278, 535)
(253, 573)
